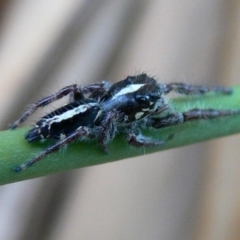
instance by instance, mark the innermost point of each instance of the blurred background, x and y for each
(187, 193)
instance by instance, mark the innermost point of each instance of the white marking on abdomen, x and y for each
(69, 114)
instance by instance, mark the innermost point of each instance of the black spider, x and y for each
(101, 110)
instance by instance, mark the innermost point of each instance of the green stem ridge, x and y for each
(15, 150)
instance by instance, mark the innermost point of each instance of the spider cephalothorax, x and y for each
(101, 110)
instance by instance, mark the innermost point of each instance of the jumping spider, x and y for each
(101, 110)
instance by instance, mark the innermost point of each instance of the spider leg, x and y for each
(135, 138)
(75, 91)
(188, 89)
(95, 91)
(140, 140)
(108, 129)
(193, 114)
(95, 87)
(47, 100)
(80, 132)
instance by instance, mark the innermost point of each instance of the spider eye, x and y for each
(142, 99)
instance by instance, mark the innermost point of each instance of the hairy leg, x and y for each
(193, 114)
(188, 89)
(81, 132)
(75, 91)
(45, 101)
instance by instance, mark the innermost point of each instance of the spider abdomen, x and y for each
(63, 121)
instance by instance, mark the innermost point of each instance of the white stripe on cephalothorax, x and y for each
(129, 89)
(69, 113)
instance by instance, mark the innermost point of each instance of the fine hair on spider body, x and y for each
(101, 110)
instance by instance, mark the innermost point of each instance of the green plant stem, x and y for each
(14, 150)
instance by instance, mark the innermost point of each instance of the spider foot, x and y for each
(142, 141)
